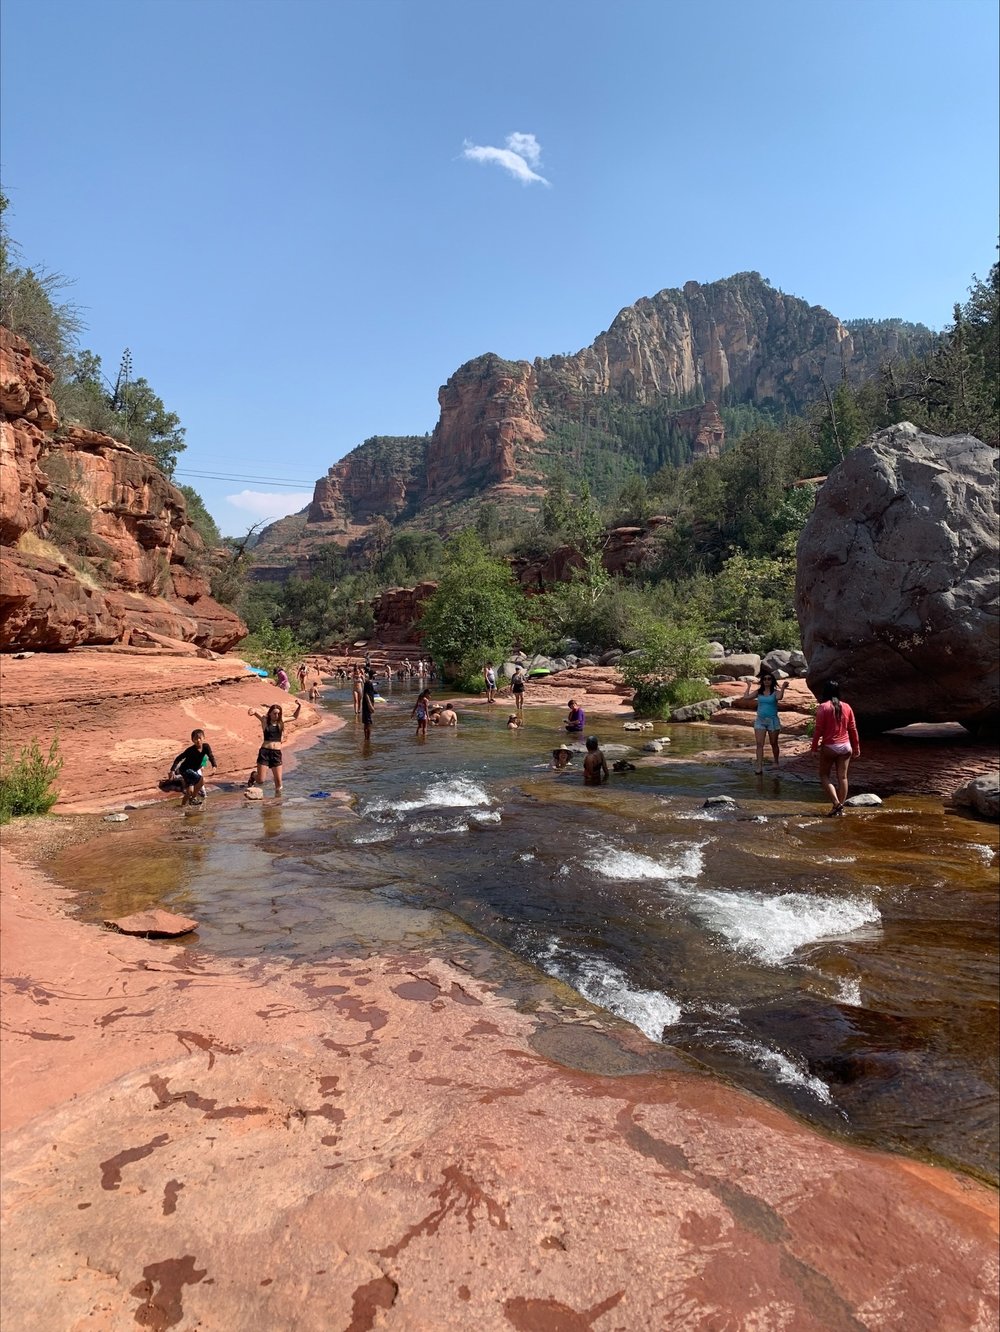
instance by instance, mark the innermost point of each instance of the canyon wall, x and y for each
(97, 542)
(673, 357)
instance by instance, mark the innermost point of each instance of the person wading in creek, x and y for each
(595, 765)
(836, 737)
(357, 688)
(269, 755)
(517, 688)
(576, 719)
(767, 724)
(420, 710)
(368, 704)
(190, 765)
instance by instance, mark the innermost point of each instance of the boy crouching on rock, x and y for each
(190, 766)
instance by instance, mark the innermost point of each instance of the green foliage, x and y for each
(669, 668)
(752, 603)
(615, 619)
(270, 648)
(26, 781)
(202, 521)
(477, 613)
(411, 558)
(69, 522)
(31, 305)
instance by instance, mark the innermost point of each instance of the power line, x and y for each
(228, 476)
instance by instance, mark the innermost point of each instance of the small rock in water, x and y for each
(652, 746)
(154, 924)
(719, 802)
(116, 818)
(865, 801)
(253, 793)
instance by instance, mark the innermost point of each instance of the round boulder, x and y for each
(896, 589)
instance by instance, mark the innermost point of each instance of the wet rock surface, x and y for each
(357, 1144)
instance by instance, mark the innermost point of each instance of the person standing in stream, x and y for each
(269, 755)
(769, 694)
(836, 737)
(517, 689)
(368, 704)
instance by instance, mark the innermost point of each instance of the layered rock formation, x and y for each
(504, 425)
(897, 589)
(97, 540)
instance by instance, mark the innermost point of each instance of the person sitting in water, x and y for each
(190, 765)
(577, 718)
(562, 757)
(513, 722)
(595, 765)
(314, 692)
(448, 716)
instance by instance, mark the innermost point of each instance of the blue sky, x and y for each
(284, 207)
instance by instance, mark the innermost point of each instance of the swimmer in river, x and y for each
(448, 716)
(595, 765)
(513, 722)
(190, 765)
(562, 757)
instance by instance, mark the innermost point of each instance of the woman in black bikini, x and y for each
(269, 755)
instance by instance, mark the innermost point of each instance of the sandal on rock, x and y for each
(837, 809)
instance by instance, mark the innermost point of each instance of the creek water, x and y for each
(845, 969)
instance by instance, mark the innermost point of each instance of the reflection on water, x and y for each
(844, 968)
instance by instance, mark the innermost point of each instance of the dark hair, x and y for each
(592, 742)
(830, 691)
(769, 675)
(196, 732)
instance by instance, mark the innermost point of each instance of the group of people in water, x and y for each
(835, 733)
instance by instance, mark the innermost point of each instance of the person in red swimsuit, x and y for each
(836, 738)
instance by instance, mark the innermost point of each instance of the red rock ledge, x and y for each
(195, 1143)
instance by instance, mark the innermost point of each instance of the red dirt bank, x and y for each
(121, 714)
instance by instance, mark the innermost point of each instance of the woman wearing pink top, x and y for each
(836, 738)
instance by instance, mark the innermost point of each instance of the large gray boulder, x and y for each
(896, 590)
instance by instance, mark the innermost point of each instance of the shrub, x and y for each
(667, 669)
(270, 648)
(26, 781)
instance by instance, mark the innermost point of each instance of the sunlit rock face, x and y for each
(140, 563)
(897, 586)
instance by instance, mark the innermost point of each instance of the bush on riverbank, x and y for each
(26, 781)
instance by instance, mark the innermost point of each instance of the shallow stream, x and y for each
(846, 969)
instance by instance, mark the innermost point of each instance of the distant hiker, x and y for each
(269, 756)
(577, 718)
(562, 757)
(595, 765)
(836, 737)
(368, 704)
(517, 687)
(420, 710)
(767, 723)
(190, 765)
(282, 676)
(490, 676)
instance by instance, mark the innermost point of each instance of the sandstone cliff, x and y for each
(97, 542)
(658, 372)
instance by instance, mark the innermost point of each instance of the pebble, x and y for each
(864, 801)
(116, 818)
(719, 802)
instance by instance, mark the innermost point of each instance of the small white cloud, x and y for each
(264, 505)
(523, 152)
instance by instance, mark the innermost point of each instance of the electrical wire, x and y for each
(229, 476)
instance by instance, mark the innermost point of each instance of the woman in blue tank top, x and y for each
(769, 695)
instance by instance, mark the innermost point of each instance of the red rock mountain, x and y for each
(657, 374)
(97, 546)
